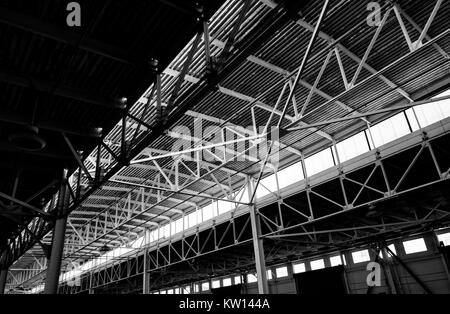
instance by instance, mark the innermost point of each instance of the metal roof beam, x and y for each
(305, 84)
(357, 59)
(41, 28)
(112, 198)
(176, 200)
(237, 128)
(53, 126)
(140, 221)
(46, 86)
(270, 109)
(150, 167)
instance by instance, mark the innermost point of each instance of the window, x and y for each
(166, 231)
(390, 129)
(172, 228)
(319, 162)
(444, 237)
(215, 284)
(360, 256)
(414, 246)
(196, 288)
(392, 248)
(187, 290)
(352, 147)
(335, 260)
(317, 264)
(237, 280)
(251, 278)
(290, 175)
(176, 291)
(208, 212)
(170, 291)
(224, 207)
(269, 274)
(205, 286)
(429, 113)
(163, 292)
(266, 186)
(178, 225)
(298, 268)
(281, 272)
(226, 282)
(192, 219)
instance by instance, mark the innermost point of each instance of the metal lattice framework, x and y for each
(288, 97)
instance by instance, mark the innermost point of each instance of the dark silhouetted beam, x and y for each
(45, 125)
(39, 27)
(62, 91)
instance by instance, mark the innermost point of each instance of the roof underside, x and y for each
(255, 82)
(67, 80)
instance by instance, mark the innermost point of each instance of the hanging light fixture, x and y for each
(28, 139)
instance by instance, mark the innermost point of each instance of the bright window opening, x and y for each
(445, 238)
(317, 264)
(360, 256)
(415, 246)
(215, 284)
(237, 280)
(251, 278)
(226, 282)
(392, 248)
(205, 286)
(281, 272)
(335, 260)
(352, 147)
(298, 268)
(390, 129)
(319, 162)
(290, 175)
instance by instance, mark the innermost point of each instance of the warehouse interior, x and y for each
(225, 147)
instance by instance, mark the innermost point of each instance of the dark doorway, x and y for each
(322, 281)
(227, 291)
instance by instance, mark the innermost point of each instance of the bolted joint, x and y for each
(153, 64)
(200, 12)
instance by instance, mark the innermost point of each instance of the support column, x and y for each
(388, 269)
(3, 277)
(91, 290)
(260, 261)
(145, 276)
(59, 231)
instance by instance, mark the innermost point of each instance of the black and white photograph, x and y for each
(224, 151)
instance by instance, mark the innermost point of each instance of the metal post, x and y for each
(263, 287)
(91, 290)
(54, 264)
(145, 275)
(387, 267)
(3, 277)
